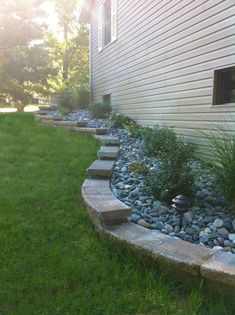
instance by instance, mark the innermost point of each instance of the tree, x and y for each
(25, 64)
(73, 49)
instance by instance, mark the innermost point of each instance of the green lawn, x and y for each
(51, 261)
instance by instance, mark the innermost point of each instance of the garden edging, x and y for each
(110, 218)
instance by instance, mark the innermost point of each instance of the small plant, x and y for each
(223, 144)
(100, 110)
(135, 130)
(174, 175)
(169, 181)
(139, 168)
(120, 121)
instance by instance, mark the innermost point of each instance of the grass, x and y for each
(52, 262)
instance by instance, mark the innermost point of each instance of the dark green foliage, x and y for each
(159, 140)
(164, 142)
(25, 64)
(120, 121)
(100, 110)
(135, 130)
(170, 180)
(70, 99)
(223, 161)
(174, 176)
(139, 168)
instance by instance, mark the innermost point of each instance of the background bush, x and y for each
(74, 98)
(100, 110)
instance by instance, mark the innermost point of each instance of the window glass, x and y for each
(224, 86)
(107, 22)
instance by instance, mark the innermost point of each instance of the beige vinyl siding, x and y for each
(160, 69)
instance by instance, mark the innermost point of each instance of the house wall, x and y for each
(160, 68)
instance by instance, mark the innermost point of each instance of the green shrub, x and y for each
(139, 168)
(66, 102)
(73, 98)
(120, 121)
(164, 142)
(223, 166)
(135, 130)
(170, 180)
(82, 98)
(159, 140)
(100, 110)
(174, 176)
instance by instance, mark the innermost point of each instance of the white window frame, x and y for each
(101, 45)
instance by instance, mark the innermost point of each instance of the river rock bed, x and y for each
(209, 222)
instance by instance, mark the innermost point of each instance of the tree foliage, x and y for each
(71, 52)
(25, 64)
(34, 61)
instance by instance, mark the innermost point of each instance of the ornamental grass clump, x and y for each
(223, 161)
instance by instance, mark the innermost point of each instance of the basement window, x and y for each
(224, 86)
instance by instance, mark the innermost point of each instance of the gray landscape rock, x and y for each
(222, 231)
(218, 223)
(169, 228)
(159, 225)
(188, 217)
(231, 237)
(144, 223)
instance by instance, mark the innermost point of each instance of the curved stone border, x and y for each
(109, 217)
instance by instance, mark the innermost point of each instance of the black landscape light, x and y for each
(181, 204)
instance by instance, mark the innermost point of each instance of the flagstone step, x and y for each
(47, 117)
(95, 131)
(48, 108)
(101, 169)
(108, 140)
(103, 207)
(108, 152)
(61, 123)
(68, 123)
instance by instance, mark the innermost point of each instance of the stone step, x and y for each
(101, 169)
(47, 117)
(68, 123)
(108, 140)
(62, 123)
(108, 152)
(95, 131)
(102, 205)
(48, 108)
